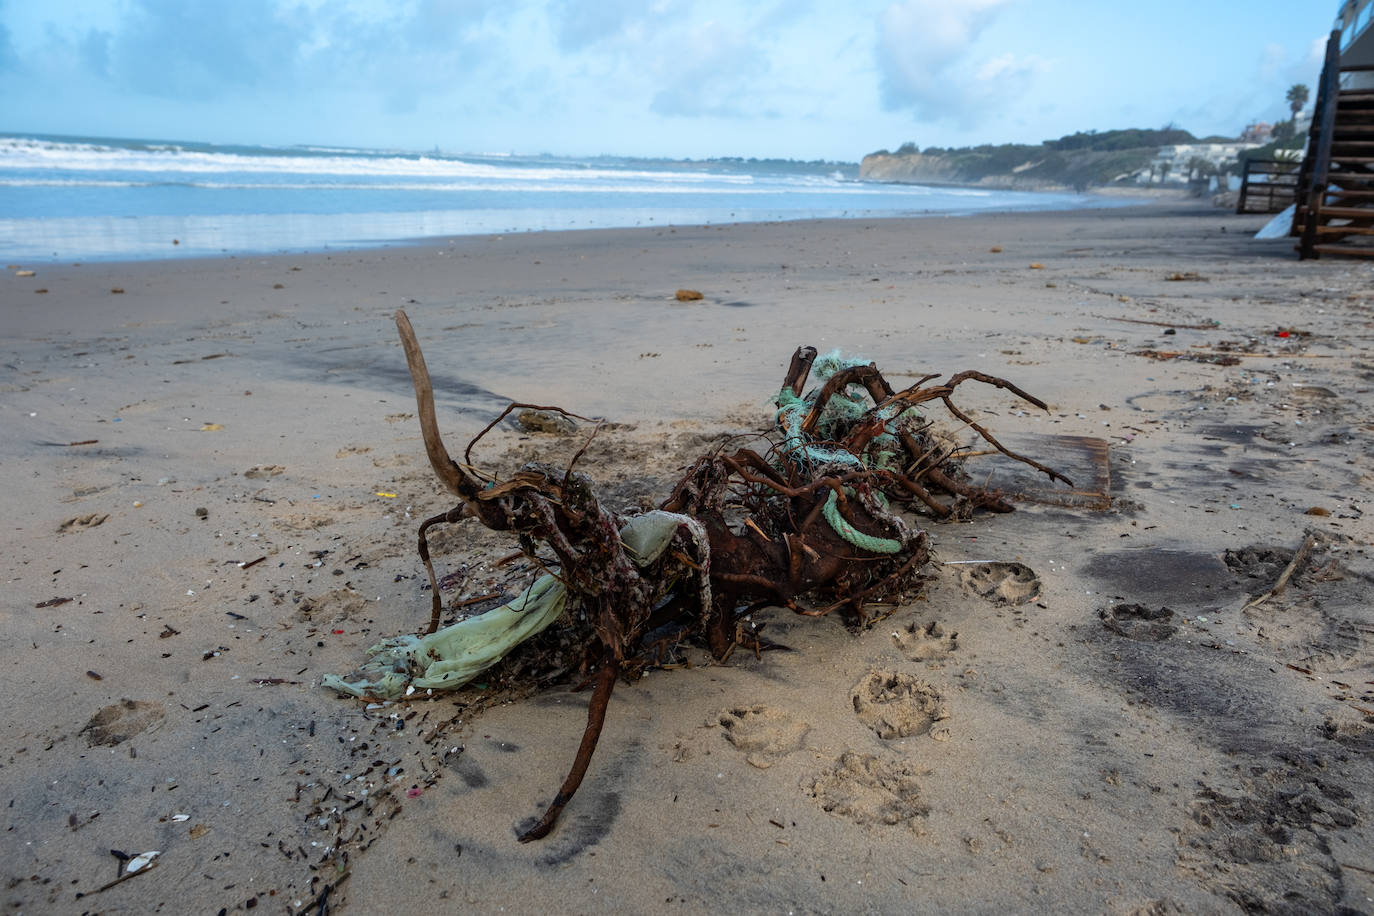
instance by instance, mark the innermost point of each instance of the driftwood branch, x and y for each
(1299, 557)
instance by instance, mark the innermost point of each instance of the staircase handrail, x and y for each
(1324, 122)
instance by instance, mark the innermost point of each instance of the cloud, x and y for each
(711, 71)
(923, 54)
(95, 51)
(207, 51)
(580, 24)
(1272, 58)
(198, 50)
(1009, 69)
(1316, 51)
(9, 61)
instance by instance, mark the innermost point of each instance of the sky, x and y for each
(797, 79)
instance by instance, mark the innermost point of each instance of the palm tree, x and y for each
(1297, 97)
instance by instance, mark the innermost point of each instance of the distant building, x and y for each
(1174, 164)
(1259, 132)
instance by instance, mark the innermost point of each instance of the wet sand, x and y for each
(215, 476)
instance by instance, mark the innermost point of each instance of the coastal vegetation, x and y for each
(1081, 160)
(1089, 159)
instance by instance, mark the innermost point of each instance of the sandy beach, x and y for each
(215, 475)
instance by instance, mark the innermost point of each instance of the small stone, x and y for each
(546, 421)
(24, 273)
(996, 249)
(1317, 510)
(202, 512)
(687, 295)
(1037, 266)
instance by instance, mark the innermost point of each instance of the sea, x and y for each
(98, 198)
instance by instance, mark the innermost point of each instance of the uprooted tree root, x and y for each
(809, 516)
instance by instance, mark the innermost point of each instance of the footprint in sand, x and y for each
(1001, 583)
(1353, 733)
(868, 790)
(1344, 643)
(335, 604)
(81, 522)
(898, 705)
(120, 721)
(762, 732)
(1257, 561)
(926, 643)
(1135, 621)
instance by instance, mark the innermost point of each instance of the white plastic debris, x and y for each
(140, 861)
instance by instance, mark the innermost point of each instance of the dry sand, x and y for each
(1081, 751)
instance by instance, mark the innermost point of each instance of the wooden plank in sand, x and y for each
(1083, 459)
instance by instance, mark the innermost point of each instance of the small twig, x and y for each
(467, 453)
(1164, 324)
(987, 436)
(478, 600)
(252, 563)
(567, 475)
(120, 880)
(317, 903)
(1287, 573)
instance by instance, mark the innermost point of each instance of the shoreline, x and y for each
(347, 245)
(1121, 742)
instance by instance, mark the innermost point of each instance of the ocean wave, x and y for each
(858, 189)
(29, 154)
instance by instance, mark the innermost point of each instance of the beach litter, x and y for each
(810, 518)
(129, 867)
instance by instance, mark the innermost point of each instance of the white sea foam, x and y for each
(21, 154)
(509, 186)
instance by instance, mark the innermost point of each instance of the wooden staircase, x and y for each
(1335, 196)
